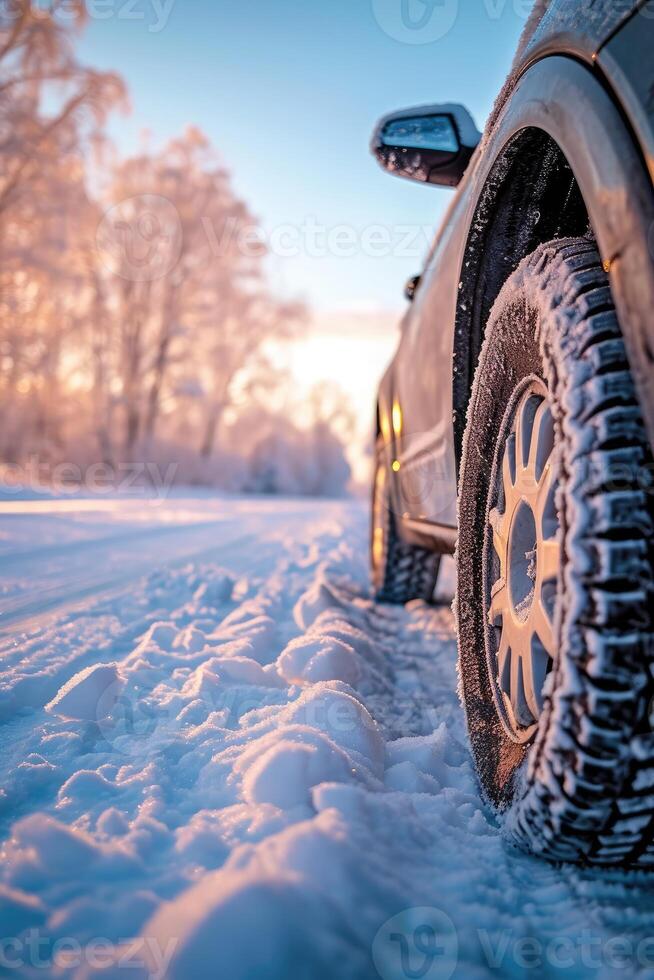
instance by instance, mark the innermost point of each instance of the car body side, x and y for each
(570, 143)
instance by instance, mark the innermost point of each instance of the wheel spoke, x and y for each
(542, 442)
(499, 602)
(496, 521)
(500, 538)
(522, 435)
(546, 484)
(535, 664)
(526, 540)
(509, 466)
(549, 559)
(543, 628)
(519, 703)
(504, 664)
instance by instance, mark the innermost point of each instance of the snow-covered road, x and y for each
(221, 759)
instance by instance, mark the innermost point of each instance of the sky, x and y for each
(288, 91)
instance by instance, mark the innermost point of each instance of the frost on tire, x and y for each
(582, 787)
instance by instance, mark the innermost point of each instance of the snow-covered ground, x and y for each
(221, 759)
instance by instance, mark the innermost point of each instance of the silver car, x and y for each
(516, 420)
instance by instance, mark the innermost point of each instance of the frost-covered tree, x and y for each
(37, 59)
(51, 113)
(188, 304)
(136, 318)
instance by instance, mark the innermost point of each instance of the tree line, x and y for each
(134, 321)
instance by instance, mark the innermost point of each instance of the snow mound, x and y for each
(285, 766)
(319, 658)
(90, 695)
(214, 925)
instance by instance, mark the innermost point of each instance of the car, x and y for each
(515, 424)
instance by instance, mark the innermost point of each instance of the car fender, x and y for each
(567, 101)
(627, 63)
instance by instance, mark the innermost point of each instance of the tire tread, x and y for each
(611, 633)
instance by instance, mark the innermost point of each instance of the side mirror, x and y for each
(431, 144)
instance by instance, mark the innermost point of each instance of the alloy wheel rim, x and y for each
(523, 560)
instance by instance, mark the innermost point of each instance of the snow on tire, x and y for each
(580, 787)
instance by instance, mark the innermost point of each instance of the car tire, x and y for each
(401, 572)
(569, 767)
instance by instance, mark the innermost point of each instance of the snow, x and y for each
(220, 758)
(90, 695)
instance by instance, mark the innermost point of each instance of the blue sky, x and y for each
(289, 90)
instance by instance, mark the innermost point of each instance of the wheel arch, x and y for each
(540, 176)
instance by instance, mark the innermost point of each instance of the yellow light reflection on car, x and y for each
(397, 418)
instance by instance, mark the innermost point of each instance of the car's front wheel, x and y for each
(555, 568)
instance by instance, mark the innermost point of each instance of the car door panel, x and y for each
(425, 369)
